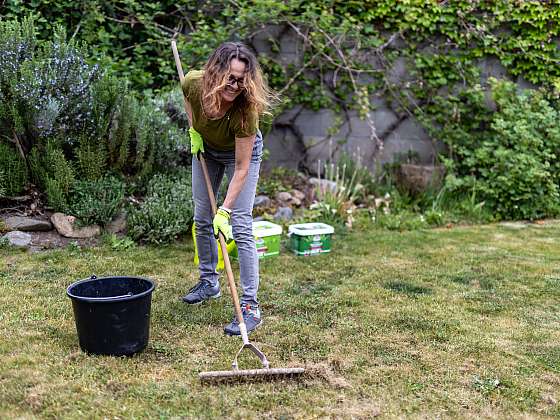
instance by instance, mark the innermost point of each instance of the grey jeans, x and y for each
(218, 163)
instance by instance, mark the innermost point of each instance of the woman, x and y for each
(224, 102)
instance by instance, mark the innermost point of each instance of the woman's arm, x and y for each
(243, 153)
(185, 89)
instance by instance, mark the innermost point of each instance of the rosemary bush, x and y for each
(73, 119)
(13, 176)
(53, 173)
(45, 87)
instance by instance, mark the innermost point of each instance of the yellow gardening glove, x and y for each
(197, 145)
(221, 224)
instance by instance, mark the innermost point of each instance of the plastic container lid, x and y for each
(304, 229)
(263, 228)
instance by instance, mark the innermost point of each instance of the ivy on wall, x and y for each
(348, 48)
(134, 35)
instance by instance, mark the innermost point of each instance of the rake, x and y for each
(235, 373)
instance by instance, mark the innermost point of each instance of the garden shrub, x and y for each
(46, 102)
(91, 158)
(45, 87)
(96, 201)
(166, 211)
(133, 135)
(157, 140)
(13, 171)
(75, 119)
(52, 172)
(3, 188)
(338, 205)
(510, 161)
(56, 197)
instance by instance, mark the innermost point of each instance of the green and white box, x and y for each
(310, 238)
(267, 238)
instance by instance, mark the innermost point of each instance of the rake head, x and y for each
(266, 373)
(250, 374)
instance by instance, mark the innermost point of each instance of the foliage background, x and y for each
(133, 36)
(348, 53)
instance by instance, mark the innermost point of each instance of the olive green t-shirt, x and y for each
(219, 133)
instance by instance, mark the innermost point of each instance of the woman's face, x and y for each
(235, 82)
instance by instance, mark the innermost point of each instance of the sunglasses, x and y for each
(235, 80)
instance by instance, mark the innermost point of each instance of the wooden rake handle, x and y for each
(227, 263)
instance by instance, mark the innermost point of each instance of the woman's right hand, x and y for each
(197, 145)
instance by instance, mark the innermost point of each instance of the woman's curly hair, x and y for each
(255, 99)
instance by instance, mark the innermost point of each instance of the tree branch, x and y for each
(18, 144)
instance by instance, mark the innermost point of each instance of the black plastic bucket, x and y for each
(112, 314)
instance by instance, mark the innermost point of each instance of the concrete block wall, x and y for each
(301, 137)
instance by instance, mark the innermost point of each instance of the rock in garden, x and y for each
(118, 224)
(284, 197)
(295, 201)
(262, 201)
(323, 184)
(65, 226)
(297, 194)
(27, 224)
(17, 238)
(419, 178)
(283, 213)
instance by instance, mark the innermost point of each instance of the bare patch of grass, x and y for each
(325, 372)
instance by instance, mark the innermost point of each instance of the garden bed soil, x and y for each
(51, 239)
(42, 240)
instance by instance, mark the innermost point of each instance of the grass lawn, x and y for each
(461, 322)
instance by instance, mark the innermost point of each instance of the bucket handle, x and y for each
(94, 277)
(129, 294)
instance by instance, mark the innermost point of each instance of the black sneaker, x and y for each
(251, 316)
(202, 291)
